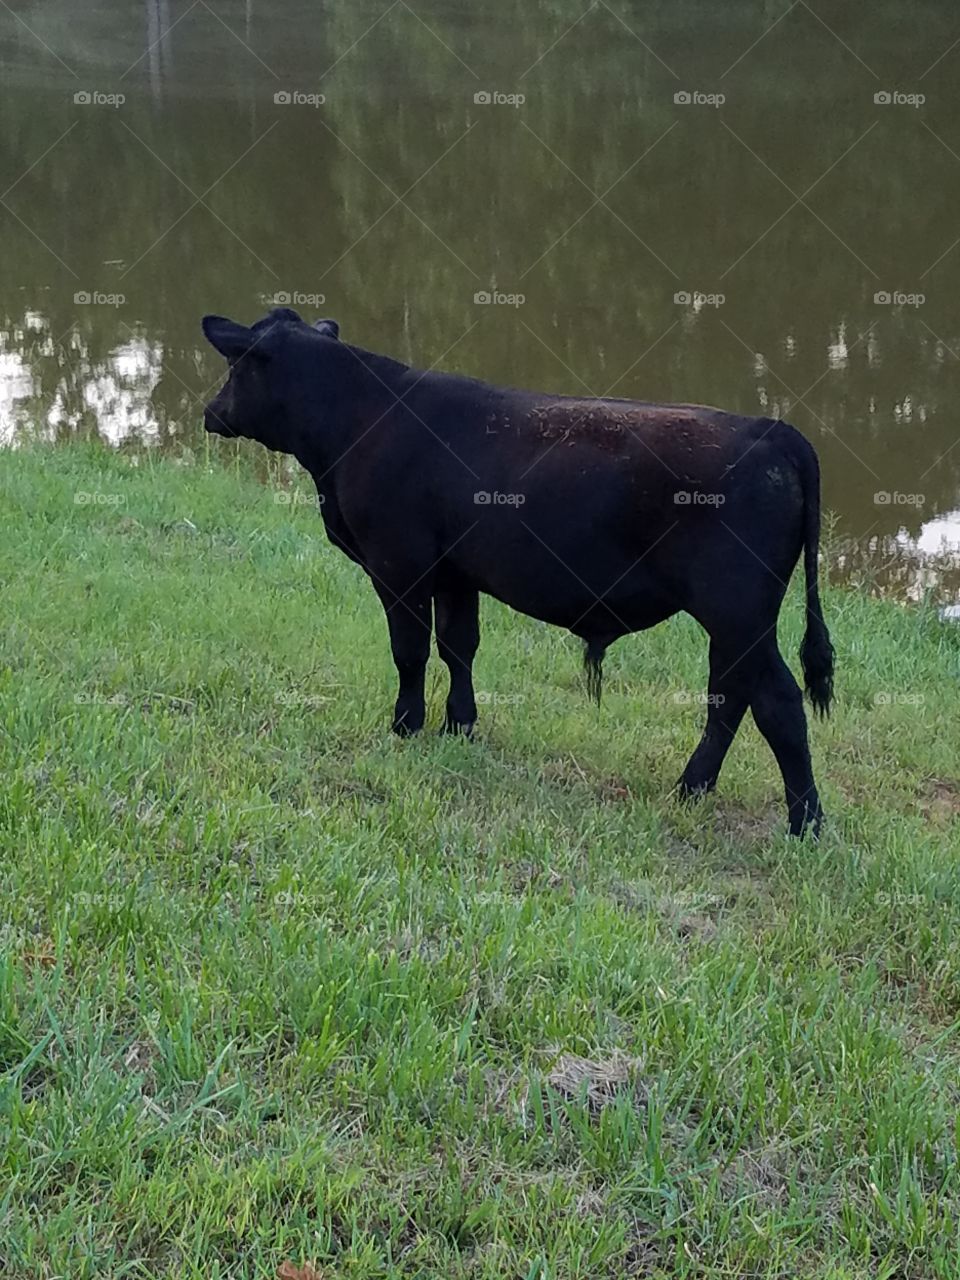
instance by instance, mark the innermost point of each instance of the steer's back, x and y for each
(508, 432)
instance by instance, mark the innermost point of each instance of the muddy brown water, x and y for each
(752, 206)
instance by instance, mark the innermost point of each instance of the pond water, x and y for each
(752, 206)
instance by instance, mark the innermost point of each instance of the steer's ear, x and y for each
(329, 328)
(230, 339)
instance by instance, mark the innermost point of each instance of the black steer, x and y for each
(601, 516)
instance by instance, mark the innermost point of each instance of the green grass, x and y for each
(277, 987)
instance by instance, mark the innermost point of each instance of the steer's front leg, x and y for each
(409, 617)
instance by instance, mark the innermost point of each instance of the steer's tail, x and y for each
(816, 650)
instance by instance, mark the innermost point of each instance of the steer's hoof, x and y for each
(403, 729)
(461, 728)
(686, 791)
(807, 821)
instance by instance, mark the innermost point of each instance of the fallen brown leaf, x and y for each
(603, 1079)
(290, 1271)
(45, 955)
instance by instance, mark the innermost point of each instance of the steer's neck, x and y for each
(351, 395)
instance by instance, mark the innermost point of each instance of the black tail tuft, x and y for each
(816, 658)
(593, 652)
(816, 650)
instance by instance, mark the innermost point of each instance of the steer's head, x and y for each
(254, 400)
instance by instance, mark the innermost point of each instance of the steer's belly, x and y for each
(594, 587)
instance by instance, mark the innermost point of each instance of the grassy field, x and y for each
(283, 995)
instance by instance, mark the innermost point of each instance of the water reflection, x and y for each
(659, 246)
(110, 397)
(920, 568)
(159, 45)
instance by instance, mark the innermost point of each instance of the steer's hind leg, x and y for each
(777, 706)
(728, 696)
(409, 620)
(457, 615)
